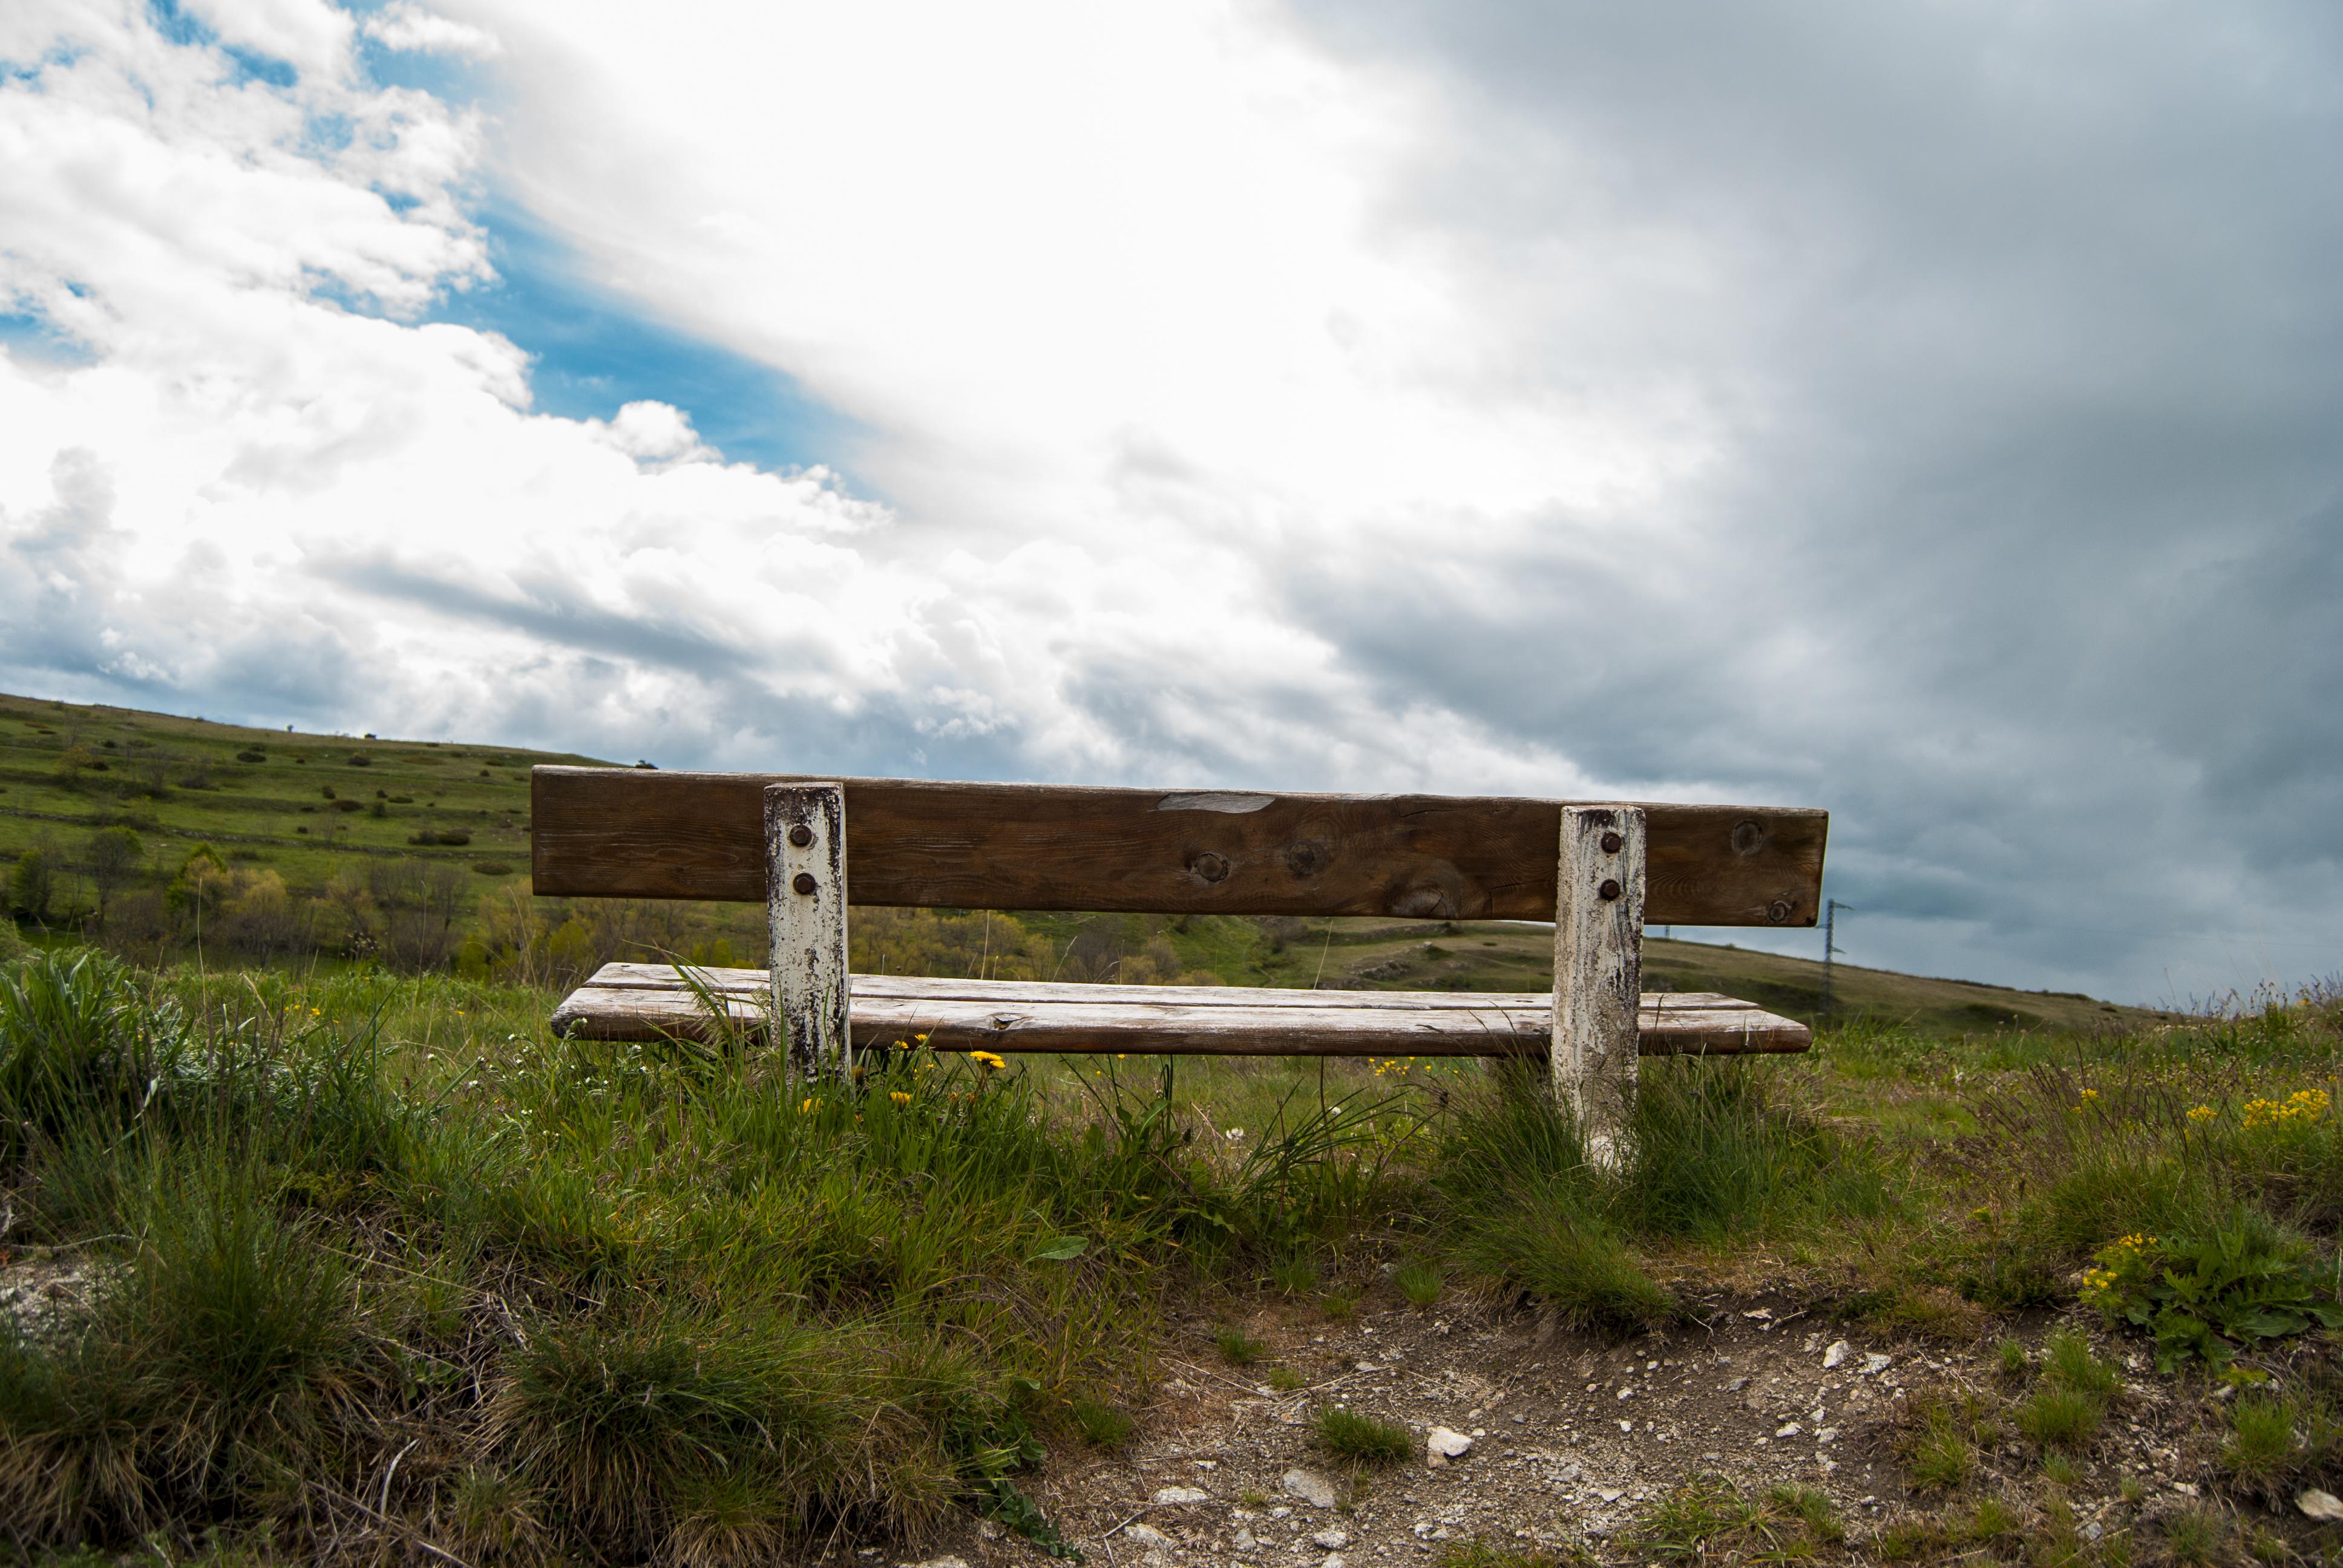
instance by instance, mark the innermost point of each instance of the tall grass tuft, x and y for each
(1716, 1150)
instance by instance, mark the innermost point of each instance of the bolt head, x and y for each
(1610, 842)
(804, 883)
(801, 835)
(1610, 888)
(1778, 912)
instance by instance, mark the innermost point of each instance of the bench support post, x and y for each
(1598, 945)
(805, 890)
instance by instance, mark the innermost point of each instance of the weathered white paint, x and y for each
(805, 889)
(1598, 945)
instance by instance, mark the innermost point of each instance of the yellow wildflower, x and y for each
(899, 1097)
(809, 1106)
(985, 1059)
(2201, 1113)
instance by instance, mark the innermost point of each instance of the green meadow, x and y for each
(329, 1251)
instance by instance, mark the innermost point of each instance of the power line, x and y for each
(1830, 945)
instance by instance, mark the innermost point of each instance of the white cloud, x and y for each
(407, 26)
(1254, 400)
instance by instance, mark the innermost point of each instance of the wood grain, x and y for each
(1598, 943)
(622, 1001)
(638, 833)
(807, 913)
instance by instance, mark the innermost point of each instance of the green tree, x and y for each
(111, 858)
(32, 885)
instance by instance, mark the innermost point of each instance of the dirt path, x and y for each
(1576, 1441)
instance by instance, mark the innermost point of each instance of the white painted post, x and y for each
(805, 892)
(1598, 961)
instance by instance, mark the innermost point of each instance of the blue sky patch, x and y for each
(29, 336)
(596, 351)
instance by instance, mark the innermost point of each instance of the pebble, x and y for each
(939, 1563)
(1874, 1363)
(1330, 1540)
(1173, 1496)
(1440, 1446)
(1792, 1429)
(1244, 1541)
(1145, 1534)
(1837, 1354)
(1309, 1486)
(2321, 1505)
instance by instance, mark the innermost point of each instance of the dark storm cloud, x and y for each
(2025, 551)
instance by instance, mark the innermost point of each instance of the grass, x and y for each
(660, 1303)
(1421, 1281)
(1347, 1434)
(1709, 1519)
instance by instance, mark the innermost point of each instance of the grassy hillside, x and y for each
(305, 805)
(416, 853)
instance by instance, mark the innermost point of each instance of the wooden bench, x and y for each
(809, 847)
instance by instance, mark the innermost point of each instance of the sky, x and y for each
(1931, 412)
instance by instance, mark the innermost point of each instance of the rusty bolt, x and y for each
(1610, 888)
(1778, 912)
(1610, 842)
(801, 835)
(803, 883)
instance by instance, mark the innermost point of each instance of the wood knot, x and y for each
(1749, 837)
(1306, 860)
(1209, 866)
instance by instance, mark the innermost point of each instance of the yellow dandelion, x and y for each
(809, 1106)
(985, 1059)
(2201, 1113)
(899, 1097)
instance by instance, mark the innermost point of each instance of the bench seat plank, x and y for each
(645, 1001)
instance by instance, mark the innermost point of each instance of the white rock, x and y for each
(939, 1563)
(1309, 1486)
(1447, 1444)
(1837, 1354)
(1827, 1434)
(1172, 1496)
(1280, 1512)
(1330, 1540)
(1334, 1560)
(1145, 1534)
(2321, 1505)
(1792, 1429)
(1609, 1493)
(1244, 1541)
(1873, 1361)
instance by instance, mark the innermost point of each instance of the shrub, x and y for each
(2241, 1281)
(1351, 1436)
(1240, 1349)
(79, 1047)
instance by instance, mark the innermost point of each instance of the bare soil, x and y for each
(1577, 1439)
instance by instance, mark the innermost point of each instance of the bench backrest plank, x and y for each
(623, 832)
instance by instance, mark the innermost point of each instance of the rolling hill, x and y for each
(310, 808)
